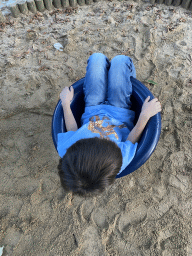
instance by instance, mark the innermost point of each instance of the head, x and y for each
(89, 166)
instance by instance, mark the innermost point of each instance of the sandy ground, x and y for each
(148, 212)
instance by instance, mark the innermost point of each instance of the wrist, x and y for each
(65, 104)
(144, 116)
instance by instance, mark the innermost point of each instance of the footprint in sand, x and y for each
(86, 209)
(99, 218)
(89, 243)
(135, 216)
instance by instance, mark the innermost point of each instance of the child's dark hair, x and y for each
(89, 166)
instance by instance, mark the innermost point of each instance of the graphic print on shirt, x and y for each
(96, 127)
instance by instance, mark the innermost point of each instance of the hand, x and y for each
(66, 95)
(151, 108)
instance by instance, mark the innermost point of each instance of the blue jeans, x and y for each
(108, 82)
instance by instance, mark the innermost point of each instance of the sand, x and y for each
(148, 212)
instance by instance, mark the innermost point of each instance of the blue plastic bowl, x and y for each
(149, 137)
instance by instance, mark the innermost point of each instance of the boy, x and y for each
(105, 144)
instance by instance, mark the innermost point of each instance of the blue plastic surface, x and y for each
(150, 135)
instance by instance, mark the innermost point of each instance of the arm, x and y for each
(148, 110)
(66, 97)
(136, 132)
(70, 122)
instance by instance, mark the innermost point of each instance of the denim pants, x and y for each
(108, 82)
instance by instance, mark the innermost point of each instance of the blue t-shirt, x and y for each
(103, 121)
